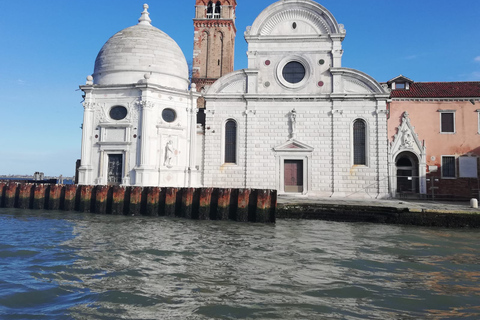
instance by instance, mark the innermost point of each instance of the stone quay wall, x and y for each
(244, 205)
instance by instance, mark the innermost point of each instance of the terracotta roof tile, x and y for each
(439, 90)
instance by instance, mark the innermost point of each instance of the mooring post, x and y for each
(3, 186)
(118, 200)
(54, 197)
(223, 208)
(25, 196)
(85, 198)
(153, 198)
(101, 196)
(70, 197)
(39, 196)
(187, 202)
(135, 201)
(170, 201)
(11, 194)
(242, 207)
(205, 203)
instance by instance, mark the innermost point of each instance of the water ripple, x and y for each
(80, 266)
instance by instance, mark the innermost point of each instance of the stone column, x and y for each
(147, 107)
(336, 152)
(85, 170)
(192, 134)
(143, 172)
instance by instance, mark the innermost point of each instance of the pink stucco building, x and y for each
(434, 138)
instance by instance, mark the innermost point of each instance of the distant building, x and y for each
(295, 120)
(434, 134)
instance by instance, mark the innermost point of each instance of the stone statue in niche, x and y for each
(169, 152)
(293, 123)
(407, 139)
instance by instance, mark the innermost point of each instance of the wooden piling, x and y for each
(135, 201)
(223, 207)
(101, 194)
(191, 203)
(54, 196)
(187, 202)
(242, 205)
(11, 194)
(205, 202)
(85, 204)
(262, 212)
(70, 197)
(170, 201)
(25, 196)
(118, 200)
(3, 187)
(153, 198)
(39, 195)
(273, 206)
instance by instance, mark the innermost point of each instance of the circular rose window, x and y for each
(293, 72)
(169, 115)
(118, 113)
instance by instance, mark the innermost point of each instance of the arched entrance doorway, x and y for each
(407, 173)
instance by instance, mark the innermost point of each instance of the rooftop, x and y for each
(439, 90)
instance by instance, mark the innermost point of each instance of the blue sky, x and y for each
(47, 48)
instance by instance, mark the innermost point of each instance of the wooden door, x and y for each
(293, 176)
(115, 168)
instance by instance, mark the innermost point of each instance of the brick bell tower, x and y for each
(214, 42)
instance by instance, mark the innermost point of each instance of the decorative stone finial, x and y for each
(89, 80)
(145, 18)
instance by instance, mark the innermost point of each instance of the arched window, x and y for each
(230, 141)
(359, 142)
(217, 10)
(210, 10)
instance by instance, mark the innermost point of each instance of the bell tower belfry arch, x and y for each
(214, 41)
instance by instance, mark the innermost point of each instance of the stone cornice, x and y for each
(155, 87)
(436, 99)
(295, 98)
(209, 23)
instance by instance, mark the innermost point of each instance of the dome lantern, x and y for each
(145, 18)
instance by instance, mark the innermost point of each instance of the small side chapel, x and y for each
(295, 120)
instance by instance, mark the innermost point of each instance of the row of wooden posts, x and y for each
(254, 205)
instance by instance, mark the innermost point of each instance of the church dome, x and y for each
(139, 50)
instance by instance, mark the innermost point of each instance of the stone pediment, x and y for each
(293, 145)
(406, 139)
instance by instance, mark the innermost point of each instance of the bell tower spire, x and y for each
(214, 41)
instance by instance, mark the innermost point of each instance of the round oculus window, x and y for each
(118, 113)
(169, 115)
(293, 72)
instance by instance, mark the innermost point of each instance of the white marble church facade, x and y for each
(295, 120)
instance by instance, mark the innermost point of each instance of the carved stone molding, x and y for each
(147, 104)
(89, 105)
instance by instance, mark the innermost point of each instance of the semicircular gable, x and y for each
(234, 82)
(310, 12)
(354, 81)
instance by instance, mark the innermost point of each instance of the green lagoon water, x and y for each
(56, 265)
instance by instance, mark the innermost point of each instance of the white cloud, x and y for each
(477, 59)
